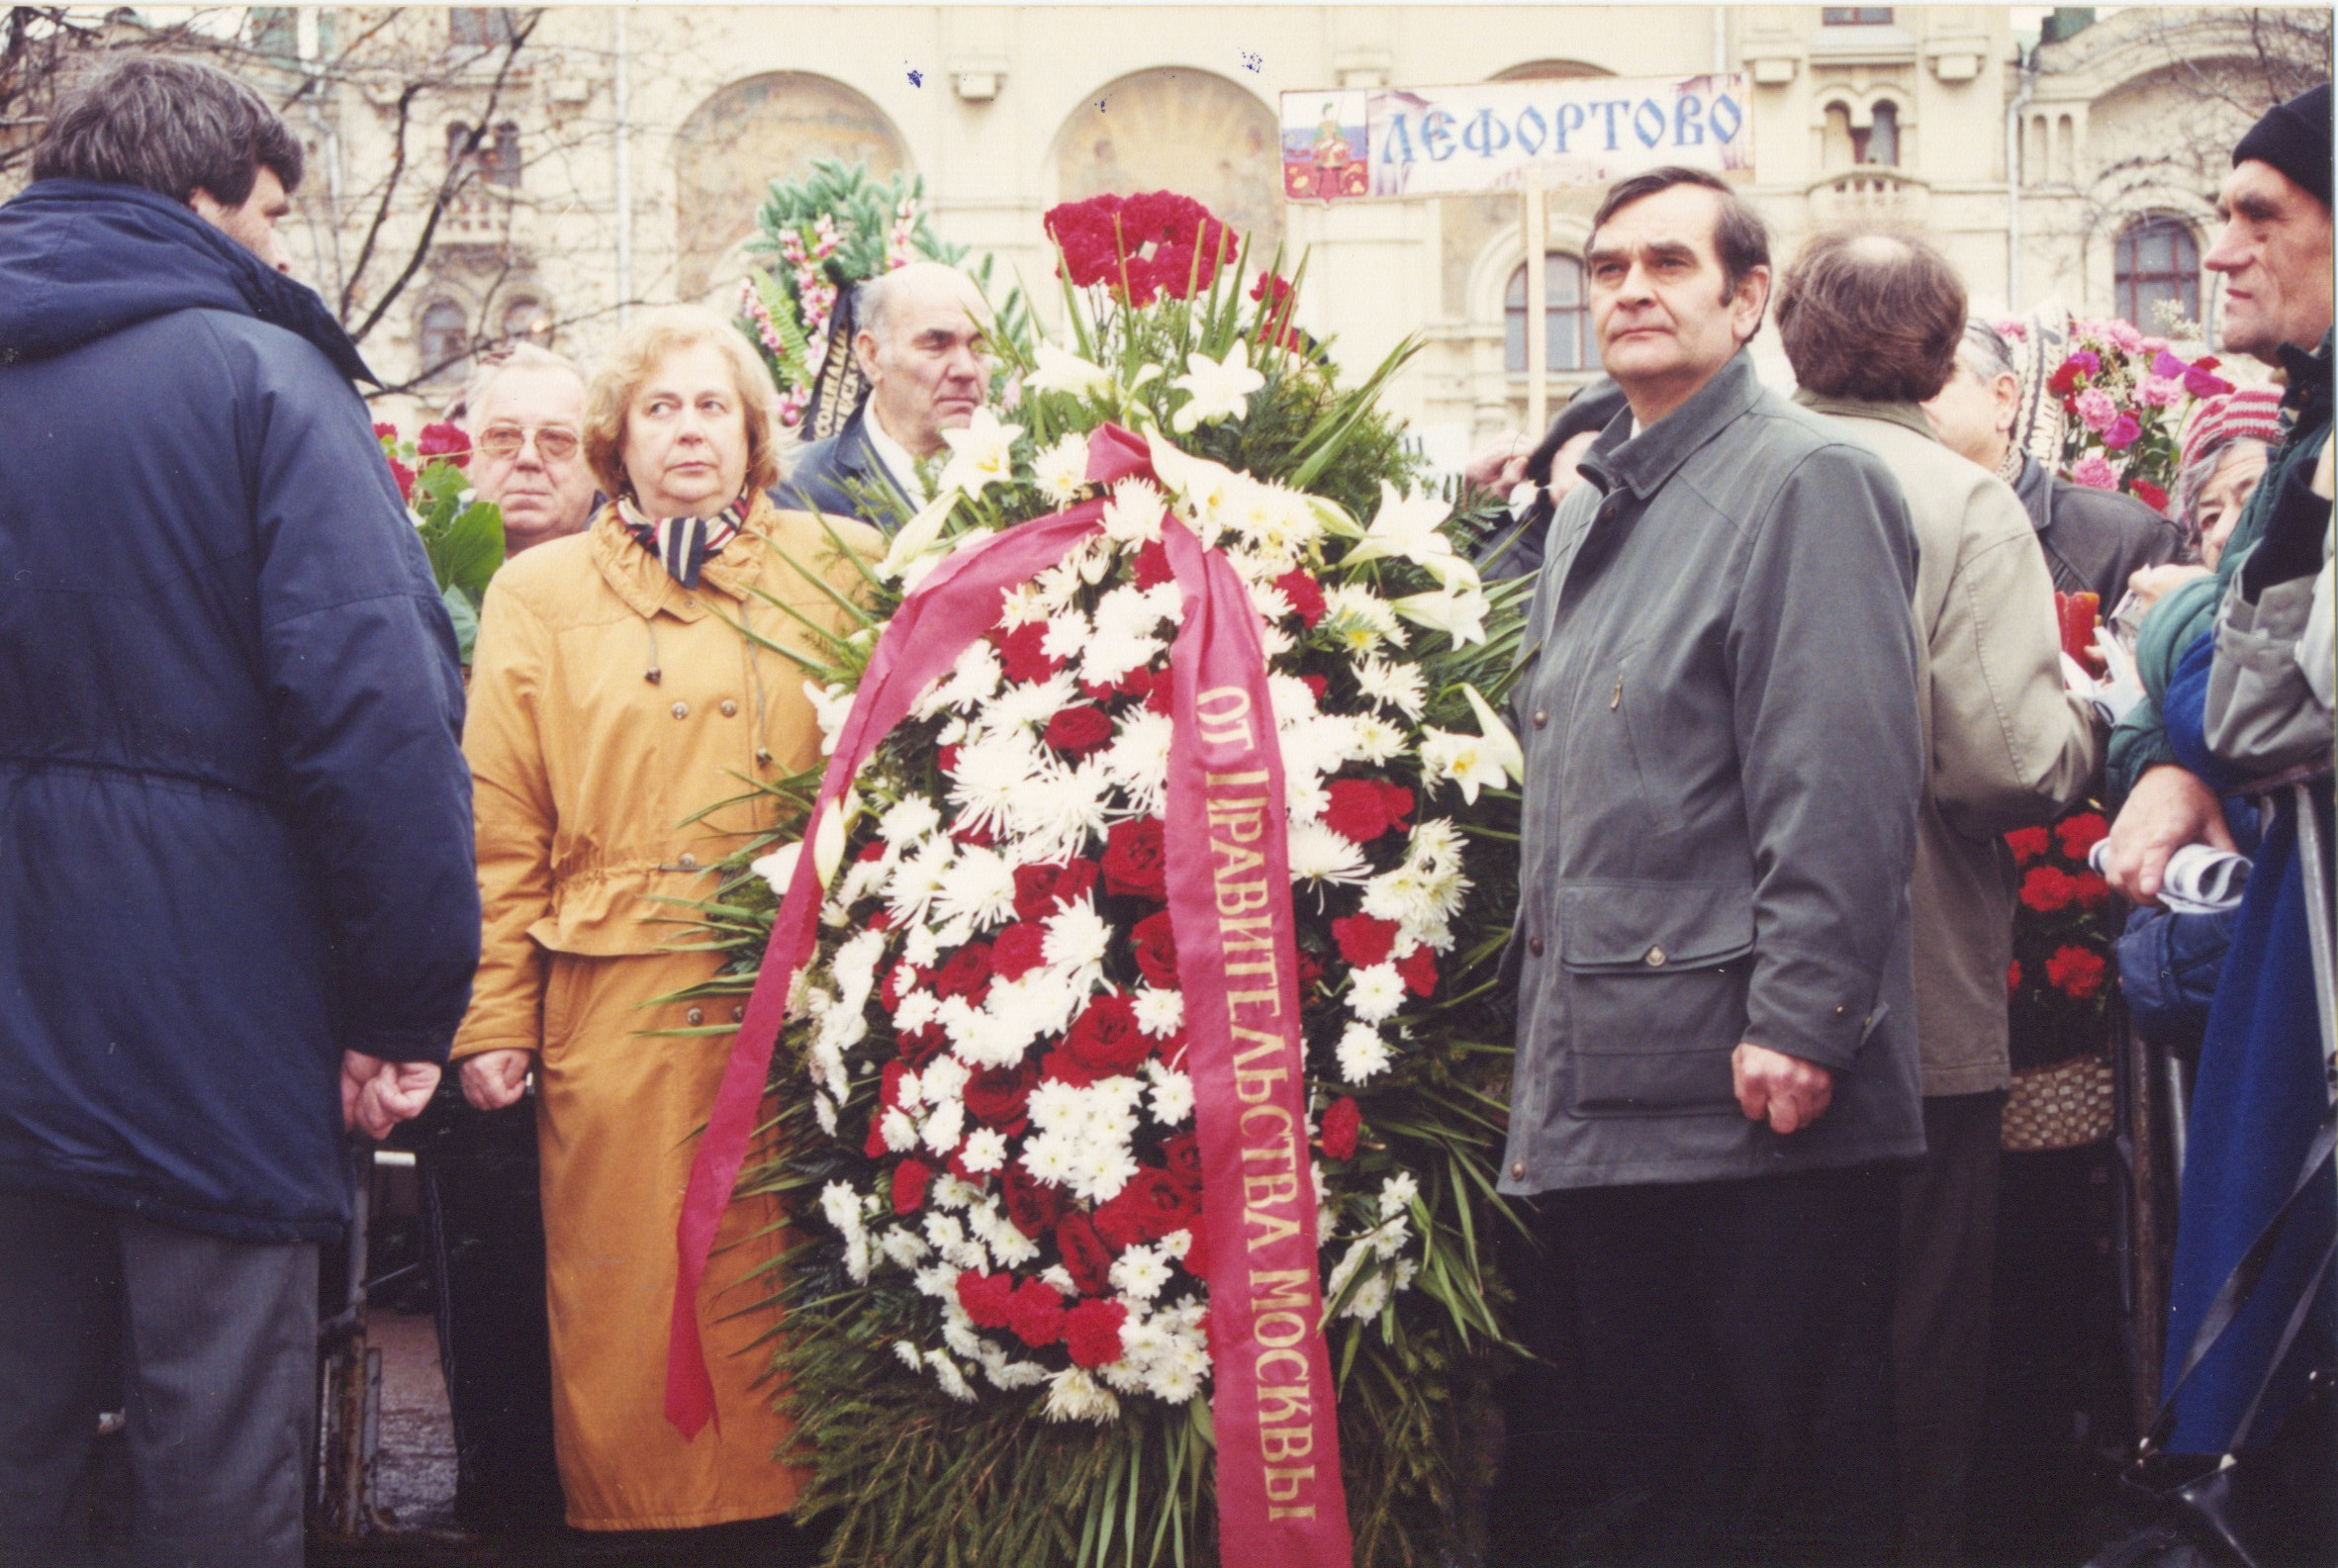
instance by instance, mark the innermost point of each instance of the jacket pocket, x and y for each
(1656, 976)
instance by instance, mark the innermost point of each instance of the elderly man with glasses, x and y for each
(526, 415)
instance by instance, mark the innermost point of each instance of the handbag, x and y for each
(2235, 1510)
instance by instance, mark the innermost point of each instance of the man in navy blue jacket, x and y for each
(239, 913)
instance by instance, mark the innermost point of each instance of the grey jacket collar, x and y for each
(1646, 461)
(1907, 414)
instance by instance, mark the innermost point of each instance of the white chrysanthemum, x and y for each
(945, 1126)
(1055, 1106)
(917, 1009)
(908, 1090)
(988, 1037)
(1292, 700)
(1072, 1395)
(938, 1280)
(909, 1356)
(985, 1151)
(949, 1192)
(1378, 741)
(947, 1374)
(905, 1248)
(1061, 470)
(1160, 1013)
(1376, 992)
(831, 705)
(823, 1111)
(1133, 514)
(1361, 620)
(1363, 1054)
(1050, 1157)
(958, 1333)
(993, 774)
(1273, 641)
(978, 887)
(907, 820)
(1137, 760)
(1436, 846)
(1172, 1097)
(972, 682)
(1068, 631)
(1100, 1169)
(828, 1068)
(1318, 854)
(1304, 799)
(1011, 1375)
(1078, 940)
(1397, 1193)
(943, 1079)
(916, 878)
(778, 869)
(1175, 1381)
(1398, 685)
(898, 1131)
(1061, 808)
(841, 1207)
(855, 967)
(1272, 602)
(1141, 1273)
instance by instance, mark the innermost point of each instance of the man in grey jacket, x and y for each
(1717, 1077)
(1871, 324)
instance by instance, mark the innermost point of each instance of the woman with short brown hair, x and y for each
(611, 704)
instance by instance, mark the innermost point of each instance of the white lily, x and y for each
(1061, 370)
(1407, 526)
(1460, 616)
(1221, 389)
(1499, 739)
(778, 866)
(981, 456)
(919, 534)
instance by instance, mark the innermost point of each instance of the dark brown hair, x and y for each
(1872, 315)
(1741, 239)
(170, 127)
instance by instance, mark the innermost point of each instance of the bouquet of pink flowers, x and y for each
(2126, 396)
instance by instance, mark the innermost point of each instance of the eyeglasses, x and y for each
(553, 444)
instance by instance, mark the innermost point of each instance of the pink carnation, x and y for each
(2096, 408)
(2014, 327)
(2159, 392)
(2164, 363)
(2094, 472)
(2122, 433)
(2129, 340)
(2155, 345)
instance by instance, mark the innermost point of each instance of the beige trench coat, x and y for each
(606, 705)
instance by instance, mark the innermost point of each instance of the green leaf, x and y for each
(465, 616)
(466, 552)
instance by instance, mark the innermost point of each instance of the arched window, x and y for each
(482, 27)
(2157, 260)
(446, 341)
(1565, 316)
(499, 155)
(526, 321)
(1880, 141)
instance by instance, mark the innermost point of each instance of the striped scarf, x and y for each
(682, 544)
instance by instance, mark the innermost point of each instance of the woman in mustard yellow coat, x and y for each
(610, 703)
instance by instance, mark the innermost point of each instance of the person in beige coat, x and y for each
(1871, 324)
(613, 700)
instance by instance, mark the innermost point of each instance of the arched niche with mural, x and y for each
(1177, 130)
(751, 133)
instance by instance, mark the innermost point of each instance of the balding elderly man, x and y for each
(920, 344)
(526, 415)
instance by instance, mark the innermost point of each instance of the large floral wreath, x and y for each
(999, 1333)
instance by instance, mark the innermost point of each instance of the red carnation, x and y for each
(980, 836)
(1104, 1038)
(1059, 1066)
(1419, 969)
(1304, 592)
(1036, 1314)
(384, 432)
(2028, 844)
(988, 1299)
(1362, 809)
(2064, 381)
(443, 440)
(1182, 1158)
(2144, 490)
(1343, 1121)
(1000, 1097)
(966, 973)
(1039, 889)
(2081, 833)
(1155, 947)
(1092, 1332)
(1077, 731)
(1310, 972)
(2200, 384)
(2093, 891)
(874, 1146)
(2075, 971)
(1020, 654)
(1197, 1261)
(1017, 950)
(1364, 940)
(1136, 861)
(405, 477)
(1153, 565)
(2047, 888)
(910, 1178)
(899, 982)
(1032, 1205)
(889, 1084)
(1084, 1256)
(1162, 697)
(2012, 976)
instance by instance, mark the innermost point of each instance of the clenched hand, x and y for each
(377, 1095)
(1786, 1091)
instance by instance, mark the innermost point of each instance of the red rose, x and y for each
(2081, 833)
(1343, 1121)
(981, 837)
(1084, 1256)
(1419, 969)
(2047, 888)
(1092, 1332)
(988, 1299)
(1036, 1314)
(910, 1177)
(443, 440)
(1156, 947)
(1136, 861)
(1032, 1204)
(1020, 654)
(2075, 971)
(1059, 1066)
(966, 973)
(1364, 940)
(1039, 889)
(921, 1044)
(2093, 891)
(1153, 565)
(2012, 976)
(1310, 972)
(1104, 1038)
(2028, 844)
(1077, 731)
(1182, 1158)
(1150, 1207)
(1017, 950)
(1197, 1261)
(1000, 1097)
(1305, 595)
(1141, 681)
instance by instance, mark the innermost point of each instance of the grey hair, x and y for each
(875, 300)
(1985, 353)
(519, 356)
(169, 125)
(2194, 478)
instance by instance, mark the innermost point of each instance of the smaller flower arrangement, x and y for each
(462, 535)
(1143, 247)
(2126, 395)
(2059, 983)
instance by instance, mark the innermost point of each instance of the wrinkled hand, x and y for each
(2151, 583)
(1500, 465)
(1786, 1091)
(377, 1095)
(494, 1079)
(2169, 808)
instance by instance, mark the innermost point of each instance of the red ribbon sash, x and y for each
(1280, 1500)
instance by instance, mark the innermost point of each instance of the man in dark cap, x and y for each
(2274, 253)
